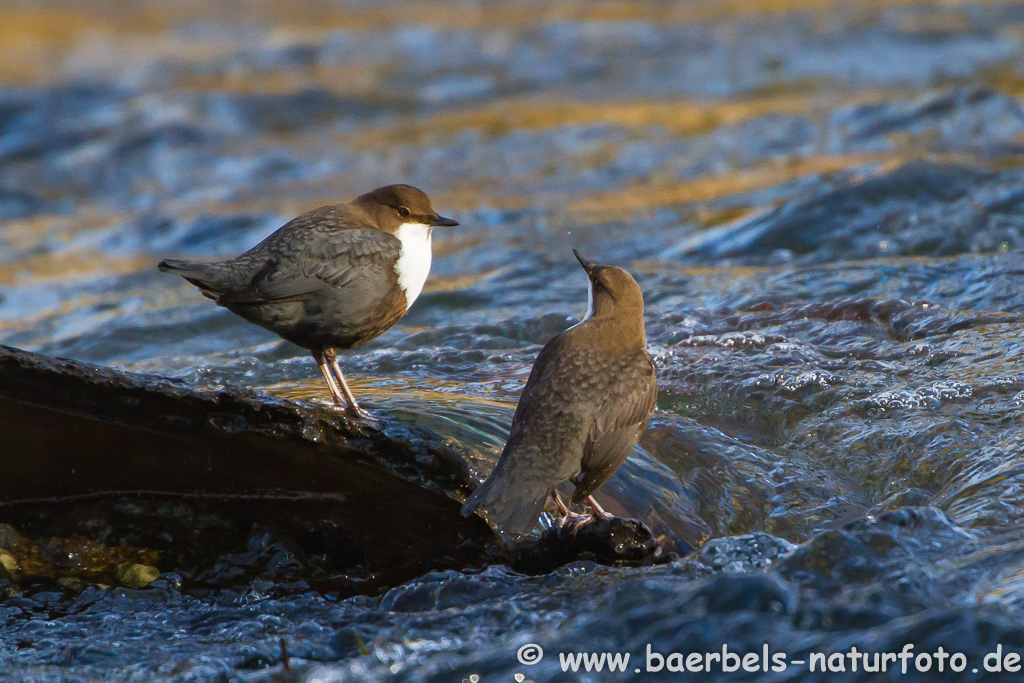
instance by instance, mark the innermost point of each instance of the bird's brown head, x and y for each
(392, 206)
(614, 295)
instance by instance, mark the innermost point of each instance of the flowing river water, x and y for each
(822, 202)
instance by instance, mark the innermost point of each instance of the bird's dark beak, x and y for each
(442, 222)
(587, 265)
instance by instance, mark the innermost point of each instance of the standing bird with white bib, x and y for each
(332, 278)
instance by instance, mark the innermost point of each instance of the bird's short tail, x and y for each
(186, 269)
(509, 504)
(202, 275)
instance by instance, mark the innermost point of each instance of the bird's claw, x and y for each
(573, 522)
(355, 413)
(360, 414)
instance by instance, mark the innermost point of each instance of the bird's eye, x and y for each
(403, 212)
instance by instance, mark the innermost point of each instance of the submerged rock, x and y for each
(9, 536)
(609, 540)
(136, 575)
(77, 562)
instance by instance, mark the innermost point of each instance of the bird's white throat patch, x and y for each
(590, 303)
(413, 265)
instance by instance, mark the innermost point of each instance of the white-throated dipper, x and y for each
(332, 278)
(586, 404)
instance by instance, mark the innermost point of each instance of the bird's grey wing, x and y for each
(617, 425)
(541, 392)
(516, 490)
(326, 258)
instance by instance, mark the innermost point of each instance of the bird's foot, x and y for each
(355, 413)
(574, 521)
(358, 413)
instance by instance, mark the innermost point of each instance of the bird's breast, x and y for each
(413, 264)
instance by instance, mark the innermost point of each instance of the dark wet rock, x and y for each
(609, 540)
(232, 420)
(217, 454)
(236, 486)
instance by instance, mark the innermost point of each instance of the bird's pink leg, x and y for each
(569, 518)
(353, 407)
(326, 371)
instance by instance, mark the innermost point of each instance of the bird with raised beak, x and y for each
(332, 278)
(588, 400)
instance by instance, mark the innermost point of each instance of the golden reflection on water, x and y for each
(654, 192)
(63, 265)
(419, 390)
(679, 117)
(34, 40)
(52, 25)
(26, 233)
